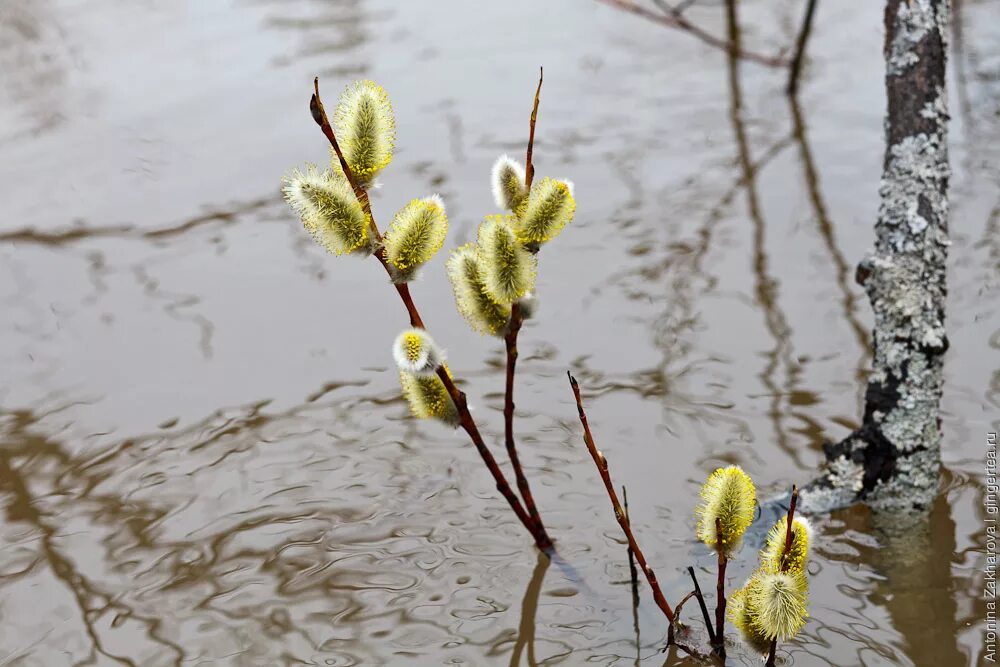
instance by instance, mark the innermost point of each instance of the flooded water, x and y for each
(204, 456)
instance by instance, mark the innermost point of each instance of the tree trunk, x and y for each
(892, 460)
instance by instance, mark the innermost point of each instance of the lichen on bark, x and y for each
(892, 460)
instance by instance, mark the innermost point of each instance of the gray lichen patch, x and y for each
(914, 20)
(913, 485)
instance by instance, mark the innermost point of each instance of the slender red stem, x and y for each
(720, 599)
(510, 343)
(602, 468)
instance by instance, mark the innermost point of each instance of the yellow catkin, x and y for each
(417, 233)
(779, 604)
(366, 129)
(546, 211)
(729, 496)
(508, 270)
(329, 210)
(507, 181)
(481, 312)
(742, 614)
(773, 552)
(428, 398)
(416, 352)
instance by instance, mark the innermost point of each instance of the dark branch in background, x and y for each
(457, 396)
(800, 49)
(634, 580)
(702, 605)
(674, 18)
(602, 468)
(510, 343)
(633, 573)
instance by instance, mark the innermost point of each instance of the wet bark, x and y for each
(892, 460)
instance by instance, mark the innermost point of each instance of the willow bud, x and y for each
(366, 130)
(507, 179)
(481, 312)
(416, 352)
(416, 234)
(329, 210)
(508, 269)
(428, 397)
(773, 552)
(549, 207)
(742, 614)
(779, 601)
(728, 496)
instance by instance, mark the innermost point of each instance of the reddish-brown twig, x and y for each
(676, 19)
(458, 396)
(602, 468)
(789, 538)
(510, 343)
(720, 600)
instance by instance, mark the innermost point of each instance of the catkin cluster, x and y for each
(488, 276)
(499, 269)
(772, 604)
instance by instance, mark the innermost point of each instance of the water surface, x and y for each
(205, 459)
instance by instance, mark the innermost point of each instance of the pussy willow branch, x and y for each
(510, 343)
(789, 537)
(674, 18)
(602, 468)
(457, 396)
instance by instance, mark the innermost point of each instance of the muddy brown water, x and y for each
(204, 456)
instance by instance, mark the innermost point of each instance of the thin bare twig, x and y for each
(457, 396)
(510, 343)
(602, 468)
(800, 49)
(674, 18)
(703, 606)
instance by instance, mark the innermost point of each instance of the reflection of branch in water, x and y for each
(529, 609)
(961, 75)
(795, 70)
(765, 288)
(175, 303)
(673, 17)
(91, 602)
(917, 585)
(826, 230)
(81, 233)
